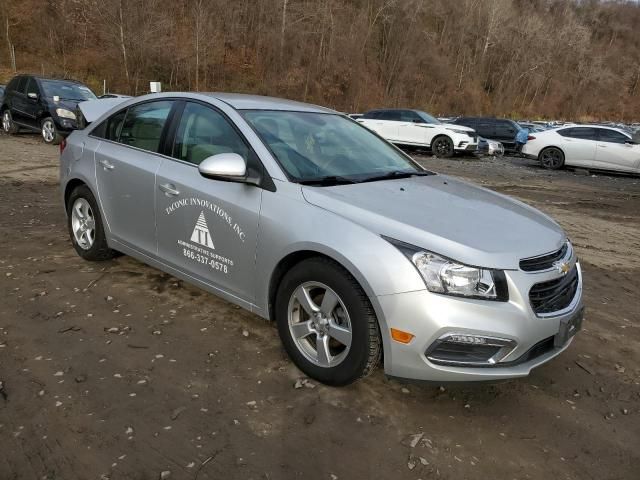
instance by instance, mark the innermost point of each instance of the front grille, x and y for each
(543, 262)
(554, 295)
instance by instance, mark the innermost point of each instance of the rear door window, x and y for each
(505, 129)
(143, 125)
(22, 83)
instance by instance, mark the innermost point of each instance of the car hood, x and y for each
(62, 103)
(94, 109)
(450, 217)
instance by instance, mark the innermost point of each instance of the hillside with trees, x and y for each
(564, 59)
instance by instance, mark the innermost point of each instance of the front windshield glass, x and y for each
(428, 118)
(66, 90)
(311, 146)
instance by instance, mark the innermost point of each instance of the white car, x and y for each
(419, 129)
(592, 147)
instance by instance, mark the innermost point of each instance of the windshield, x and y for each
(66, 90)
(312, 146)
(428, 118)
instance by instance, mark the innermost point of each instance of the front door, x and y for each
(208, 228)
(126, 166)
(613, 152)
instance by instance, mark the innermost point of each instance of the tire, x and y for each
(49, 132)
(312, 280)
(85, 226)
(551, 158)
(8, 126)
(442, 147)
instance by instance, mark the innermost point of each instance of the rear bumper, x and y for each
(430, 317)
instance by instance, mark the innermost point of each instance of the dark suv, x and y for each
(500, 129)
(43, 105)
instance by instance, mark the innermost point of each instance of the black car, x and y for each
(44, 105)
(500, 129)
(2, 87)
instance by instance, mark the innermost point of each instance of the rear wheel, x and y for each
(85, 226)
(442, 147)
(326, 322)
(552, 158)
(49, 132)
(8, 125)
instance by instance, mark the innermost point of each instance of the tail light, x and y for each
(63, 145)
(530, 137)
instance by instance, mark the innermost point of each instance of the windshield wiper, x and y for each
(396, 174)
(327, 181)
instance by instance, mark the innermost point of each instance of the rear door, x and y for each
(208, 228)
(505, 132)
(126, 165)
(579, 145)
(384, 124)
(613, 152)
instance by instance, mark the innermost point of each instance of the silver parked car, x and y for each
(301, 215)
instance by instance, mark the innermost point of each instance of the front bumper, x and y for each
(430, 316)
(65, 125)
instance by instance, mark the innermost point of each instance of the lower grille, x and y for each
(554, 295)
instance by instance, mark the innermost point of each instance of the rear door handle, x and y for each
(169, 189)
(106, 165)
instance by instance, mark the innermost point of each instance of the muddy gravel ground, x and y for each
(116, 370)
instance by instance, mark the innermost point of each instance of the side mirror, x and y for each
(228, 167)
(630, 142)
(32, 95)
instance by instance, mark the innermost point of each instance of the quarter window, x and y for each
(204, 132)
(143, 124)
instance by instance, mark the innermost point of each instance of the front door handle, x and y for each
(169, 189)
(602, 146)
(106, 165)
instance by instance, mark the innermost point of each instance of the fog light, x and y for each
(459, 349)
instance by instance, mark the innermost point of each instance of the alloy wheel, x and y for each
(6, 121)
(48, 131)
(443, 147)
(551, 158)
(83, 224)
(319, 324)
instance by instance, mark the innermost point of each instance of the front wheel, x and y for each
(49, 132)
(8, 125)
(442, 147)
(326, 323)
(552, 158)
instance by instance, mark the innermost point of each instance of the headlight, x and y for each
(462, 132)
(442, 275)
(64, 113)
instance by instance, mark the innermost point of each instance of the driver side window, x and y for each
(204, 132)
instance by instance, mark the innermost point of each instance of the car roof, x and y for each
(241, 101)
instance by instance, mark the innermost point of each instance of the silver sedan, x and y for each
(301, 215)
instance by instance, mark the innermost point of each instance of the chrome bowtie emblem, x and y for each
(562, 267)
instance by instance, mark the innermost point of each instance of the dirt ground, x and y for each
(118, 371)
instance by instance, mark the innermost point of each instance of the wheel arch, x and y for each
(71, 185)
(547, 147)
(292, 259)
